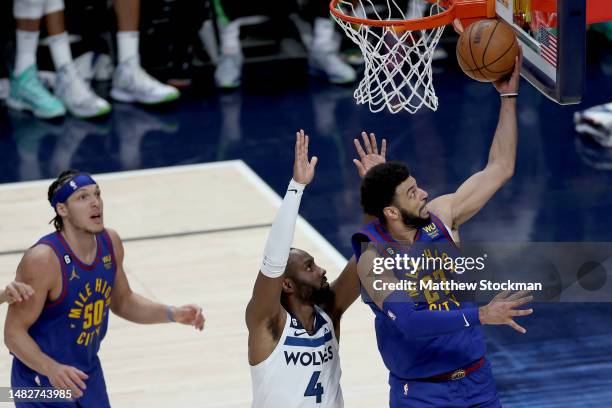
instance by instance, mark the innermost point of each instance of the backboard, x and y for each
(552, 34)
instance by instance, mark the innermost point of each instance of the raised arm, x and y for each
(138, 309)
(346, 287)
(456, 208)
(346, 291)
(265, 305)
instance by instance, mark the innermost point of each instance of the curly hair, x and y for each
(378, 187)
(64, 176)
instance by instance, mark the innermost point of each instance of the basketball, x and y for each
(486, 50)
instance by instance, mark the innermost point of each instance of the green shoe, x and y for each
(28, 93)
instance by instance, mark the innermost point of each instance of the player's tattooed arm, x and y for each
(370, 281)
(138, 309)
(456, 208)
(398, 307)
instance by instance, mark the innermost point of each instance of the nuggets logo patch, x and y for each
(107, 261)
(431, 230)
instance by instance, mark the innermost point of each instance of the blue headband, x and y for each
(72, 185)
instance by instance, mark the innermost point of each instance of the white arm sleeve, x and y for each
(280, 237)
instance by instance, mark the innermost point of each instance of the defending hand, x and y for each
(303, 170)
(370, 157)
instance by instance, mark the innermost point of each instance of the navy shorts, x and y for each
(94, 396)
(477, 390)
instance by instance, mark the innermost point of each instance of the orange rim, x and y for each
(441, 19)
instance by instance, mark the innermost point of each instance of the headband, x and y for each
(72, 185)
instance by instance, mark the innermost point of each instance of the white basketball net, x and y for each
(398, 72)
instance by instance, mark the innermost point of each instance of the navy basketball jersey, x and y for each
(71, 328)
(420, 357)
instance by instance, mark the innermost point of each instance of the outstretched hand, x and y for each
(511, 84)
(303, 170)
(370, 157)
(190, 315)
(501, 310)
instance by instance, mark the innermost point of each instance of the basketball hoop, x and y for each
(398, 46)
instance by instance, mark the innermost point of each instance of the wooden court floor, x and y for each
(192, 234)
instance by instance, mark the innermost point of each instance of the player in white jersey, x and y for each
(294, 314)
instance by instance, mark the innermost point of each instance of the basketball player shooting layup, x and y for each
(77, 276)
(294, 314)
(432, 346)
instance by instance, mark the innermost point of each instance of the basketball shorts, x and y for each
(477, 390)
(94, 396)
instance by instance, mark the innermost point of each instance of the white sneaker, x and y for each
(330, 65)
(77, 96)
(323, 54)
(228, 74)
(132, 84)
(596, 122)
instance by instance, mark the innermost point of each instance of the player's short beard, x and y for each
(411, 221)
(316, 295)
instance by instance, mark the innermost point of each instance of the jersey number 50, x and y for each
(314, 389)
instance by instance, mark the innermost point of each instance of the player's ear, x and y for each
(391, 213)
(287, 285)
(62, 209)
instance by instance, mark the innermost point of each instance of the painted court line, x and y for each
(166, 236)
(245, 170)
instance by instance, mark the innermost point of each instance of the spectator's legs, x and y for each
(76, 94)
(229, 67)
(27, 92)
(323, 54)
(130, 82)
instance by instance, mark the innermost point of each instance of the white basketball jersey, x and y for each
(303, 371)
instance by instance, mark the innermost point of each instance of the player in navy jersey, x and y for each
(15, 292)
(429, 339)
(77, 276)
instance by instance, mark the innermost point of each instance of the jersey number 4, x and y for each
(314, 389)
